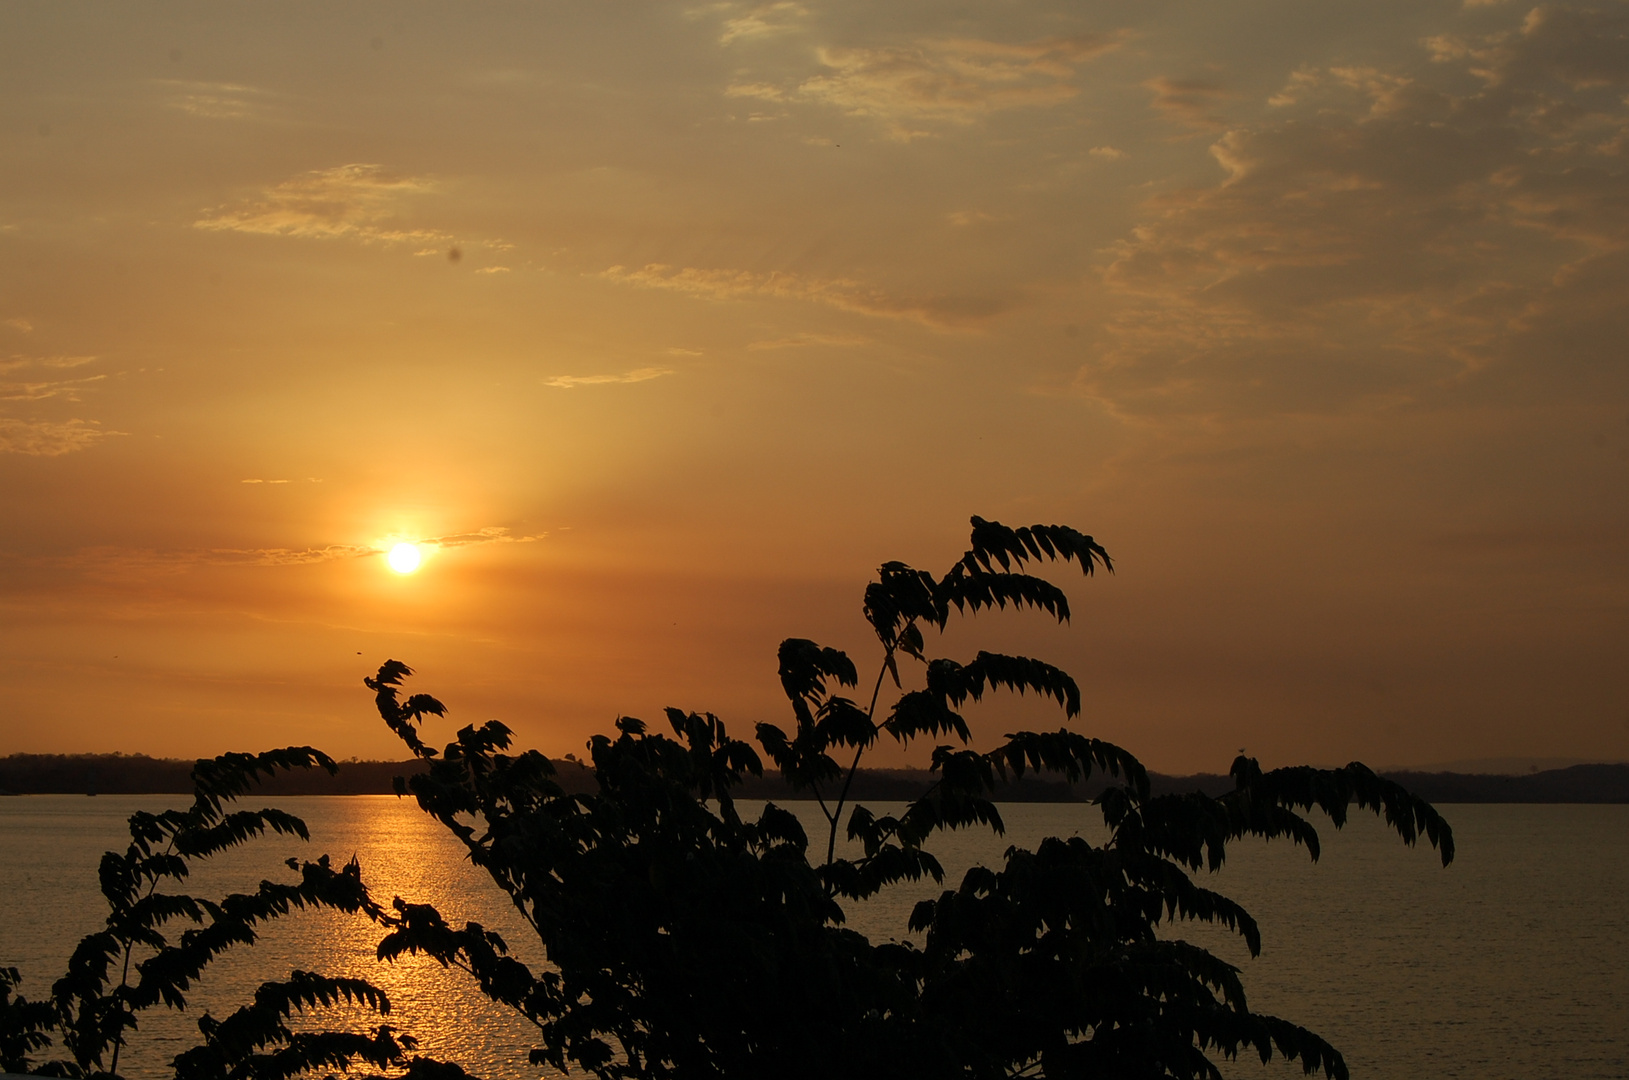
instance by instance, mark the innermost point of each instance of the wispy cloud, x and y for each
(842, 293)
(121, 562)
(948, 81)
(1192, 102)
(357, 202)
(277, 556)
(765, 20)
(15, 362)
(761, 90)
(22, 326)
(802, 341)
(214, 100)
(67, 389)
(492, 534)
(49, 438)
(644, 374)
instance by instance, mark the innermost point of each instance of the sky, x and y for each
(659, 326)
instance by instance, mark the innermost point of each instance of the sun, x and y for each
(404, 558)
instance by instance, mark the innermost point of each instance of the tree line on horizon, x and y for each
(139, 774)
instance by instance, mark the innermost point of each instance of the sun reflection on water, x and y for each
(404, 853)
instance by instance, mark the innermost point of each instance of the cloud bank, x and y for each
(1385, 236)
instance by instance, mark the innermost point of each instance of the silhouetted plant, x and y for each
(137, 962)
(684, 941)
(23, 1024)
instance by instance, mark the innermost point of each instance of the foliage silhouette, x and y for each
(685, 941)
(136, 961)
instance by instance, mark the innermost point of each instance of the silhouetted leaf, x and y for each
(995, 544)
(972, 589)
(956, 682)
(805, 667)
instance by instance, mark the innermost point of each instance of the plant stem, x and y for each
(842, 796)
(124, 975)
(124, 978)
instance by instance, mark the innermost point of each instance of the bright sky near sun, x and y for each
(657, 327)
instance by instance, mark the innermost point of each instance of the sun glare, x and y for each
(404, 558)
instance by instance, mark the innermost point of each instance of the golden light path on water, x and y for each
(1512, 962)
(403, 853)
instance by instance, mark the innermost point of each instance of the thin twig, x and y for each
(842, 796)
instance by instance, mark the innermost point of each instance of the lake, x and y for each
(1512, 964)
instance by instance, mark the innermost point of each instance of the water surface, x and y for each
(1512, 964)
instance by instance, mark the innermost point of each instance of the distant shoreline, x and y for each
(137, 774)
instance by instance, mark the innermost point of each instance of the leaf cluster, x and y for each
(23, 1024)
(157, 942)
(684, 940)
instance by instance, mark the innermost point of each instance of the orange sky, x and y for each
(1314, 315)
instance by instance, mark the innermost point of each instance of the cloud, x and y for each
(493, 270)
(44, 389)
(22, 326)
(765, 20)
(1580, 48)
(937, 82)
(103, 561)
(1107, 153)
(800, 341)
(491, 534)
(1384, 92)
(277, 556)
(764, 91)
(214, 100)
(841, 293)
(67, 389)
(1389, 238)
(351, 201)
(46, 438)
(1191, 102)
(645, 374)
(16, 361)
